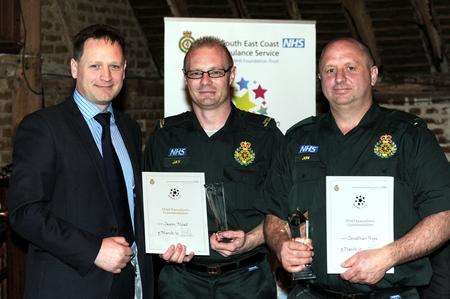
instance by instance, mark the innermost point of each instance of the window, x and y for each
(10, 26)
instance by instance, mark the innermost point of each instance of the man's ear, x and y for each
(373, 75)
(232, 75)
(74, 68)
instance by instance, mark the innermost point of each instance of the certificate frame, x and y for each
(360, 216)
(175, 211)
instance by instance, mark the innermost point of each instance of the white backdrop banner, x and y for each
(275, 61)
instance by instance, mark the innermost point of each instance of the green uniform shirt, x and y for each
(239, 155)
(385, 143)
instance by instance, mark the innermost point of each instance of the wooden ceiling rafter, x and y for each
(178, 8)
(423, 10)
(293, 10)
(361, 24)
(402, 38)
(238, 8)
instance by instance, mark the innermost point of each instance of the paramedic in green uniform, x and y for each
(360, 138)
(230, 146)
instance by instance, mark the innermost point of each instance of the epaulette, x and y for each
(260, 120)
(173, 120)
(409, 118)
(305, 122)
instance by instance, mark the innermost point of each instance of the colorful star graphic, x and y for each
(246, 94)
(243, 102)
(243, 84)
(259, 92)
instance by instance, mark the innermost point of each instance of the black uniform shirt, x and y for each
(239, 155)
(385, 143)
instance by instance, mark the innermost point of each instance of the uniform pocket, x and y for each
(247, 175)
(309, 170)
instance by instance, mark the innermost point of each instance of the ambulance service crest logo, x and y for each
(186, 41)
(244, 154)
(385, 147)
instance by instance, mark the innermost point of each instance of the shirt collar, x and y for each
(89, 109)
(368, 120)
(226, 126)
(370, 117)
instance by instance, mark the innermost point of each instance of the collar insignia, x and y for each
(385, 147)
(244, 154)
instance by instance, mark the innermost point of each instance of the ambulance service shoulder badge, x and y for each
(385, 147)
(244, 154)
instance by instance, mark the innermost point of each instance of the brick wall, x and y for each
(8, 70)
(143, 100)
(430, 102)
(62, 19)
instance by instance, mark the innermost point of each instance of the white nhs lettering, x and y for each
(177, 152)
(293, 43)
(308, 149)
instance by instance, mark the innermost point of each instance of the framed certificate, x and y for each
(360, 216)
(175, 211)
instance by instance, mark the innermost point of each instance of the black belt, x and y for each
(332, 294)
(218, 269)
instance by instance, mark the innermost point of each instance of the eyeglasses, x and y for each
(197, 74)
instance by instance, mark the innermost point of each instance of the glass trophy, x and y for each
(300, 228)
(215, 195)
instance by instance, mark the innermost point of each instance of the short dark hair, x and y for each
(365, 49)
(97, 31)
(210, 42)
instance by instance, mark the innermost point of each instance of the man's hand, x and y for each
(367, 266)
(295, 254)
(114, 254)
(228, 242)
(233, 242)
(176, 254)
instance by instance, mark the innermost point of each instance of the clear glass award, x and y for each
(300, 228)
(215, 195)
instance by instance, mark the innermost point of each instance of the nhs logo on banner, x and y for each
(177, 152)
(306, 148)
(293, 43)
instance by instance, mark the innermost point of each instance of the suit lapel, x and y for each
(80, 128)
(127, 135)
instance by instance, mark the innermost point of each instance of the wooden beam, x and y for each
(178, 8)
(423, 9)
(28, 98)
(239, 9)
(293, 10)
(361, 24)
(28, 94)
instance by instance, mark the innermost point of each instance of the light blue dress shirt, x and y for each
(89, 110)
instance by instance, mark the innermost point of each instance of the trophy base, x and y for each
(305, 274)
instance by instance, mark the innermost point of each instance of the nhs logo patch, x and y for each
(177, 152)
(293, 43)
(306, 148)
